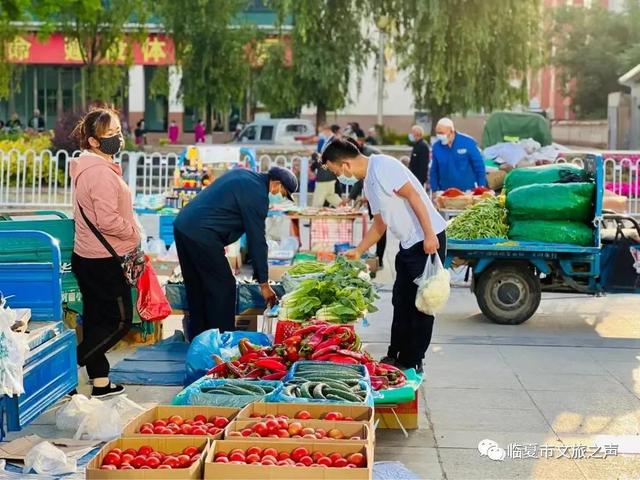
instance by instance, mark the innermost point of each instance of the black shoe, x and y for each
(419, 369)
(108, 391)
(389, 360)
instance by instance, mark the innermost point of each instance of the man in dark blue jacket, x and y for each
(236, 203)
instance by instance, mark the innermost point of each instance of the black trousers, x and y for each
(107, 310)
(411, 329)
(210, 285)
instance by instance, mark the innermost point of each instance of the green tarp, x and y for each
(512, 126)
(574, 233)
(556, 173)
(552, 201)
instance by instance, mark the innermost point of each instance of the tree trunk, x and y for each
(321, 114)
(436, 113)
(208, 115)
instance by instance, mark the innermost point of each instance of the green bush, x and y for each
(11, 145)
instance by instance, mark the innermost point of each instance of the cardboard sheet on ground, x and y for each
(17, 449)
(403, 394)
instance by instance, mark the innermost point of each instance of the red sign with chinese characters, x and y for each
(59, 50)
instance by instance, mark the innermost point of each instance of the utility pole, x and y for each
(381, 42)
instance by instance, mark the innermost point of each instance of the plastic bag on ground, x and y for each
(95, 419)
(433, 287)
(14, 347)
(152, 303)
(47, 459)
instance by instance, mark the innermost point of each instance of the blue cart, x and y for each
(509, 277)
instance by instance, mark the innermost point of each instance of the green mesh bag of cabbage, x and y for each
(574, 233)
(556, 173)
(552, 201)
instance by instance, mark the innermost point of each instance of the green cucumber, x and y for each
(331, 396)
(252, 388)
(214, 391)
(305, 389)
(317, 391)
(350, 397)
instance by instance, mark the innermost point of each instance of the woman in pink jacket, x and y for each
(101, 199)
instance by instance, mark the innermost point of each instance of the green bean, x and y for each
(487, 219)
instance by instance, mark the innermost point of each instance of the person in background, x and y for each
(102, 203)
(14, 124)
(419, 163)
(235, 204)
(456, 160)
(325, 188)
(2, 125)
(200, 132)
(174, 132)
(140, 133)
(398, 201)
(372, 136)
(37, 121)
(359, 133)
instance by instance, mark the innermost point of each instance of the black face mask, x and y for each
(111, 145)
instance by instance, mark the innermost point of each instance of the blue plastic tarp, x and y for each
(211, 342)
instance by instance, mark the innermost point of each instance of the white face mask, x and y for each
(348, 181)
(443, 137)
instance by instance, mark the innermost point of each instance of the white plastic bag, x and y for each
(45, 458)
(14, 347)
(95, 419)
(433, 287)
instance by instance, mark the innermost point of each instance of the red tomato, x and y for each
(147, 431)
(220, 422)
(196, 457)
(271, 458)
(237, 457)
(282, 415)
(357, 459)
(317, 456)
(198, 431)
(172, 461)
(126, 466)
(283, 463)
(273, 425)
(112, 458)
(283, 456)
(269, 451)
(283, 433)
(126, 458)
(153, 462)
(214, 431)
(303, 415)
(164, 467)
(298, 453)
(177, 419)
(295, 428)
(219, 455)
(145, 467)
(268, 462)
(347, 419)
(340, 462)
(186, 429)
(108, 467)
(306, 460)
(326, 461)
(221, 460)
(200, 418)
(116, 450)
(253, 458)
(282, 423)
(139, 461)
(158, 455)
(270, 416)
(167, 431)
(184, 461)
(145, 450)
(191, 451)
(308, 431)
(131, 451)
(157, 430)
(254, 451)
(159, 423)
(238, 434)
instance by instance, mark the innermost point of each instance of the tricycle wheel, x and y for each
(508, 294)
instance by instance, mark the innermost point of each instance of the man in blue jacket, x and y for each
(236, 203)
(456, 160)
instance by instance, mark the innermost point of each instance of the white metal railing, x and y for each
(42, 179)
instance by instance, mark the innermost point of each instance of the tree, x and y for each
(210, 48)
(96, 32)
(275, 83)
(594, 47)
(10, 11)
(329, 46)
(467, 55)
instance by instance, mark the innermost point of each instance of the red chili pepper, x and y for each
(342, 359)
(307, 330)
(235, 370)
(329, 329)
(325, 351)
(293, 341)
(255, 373)
(371, 368)
(249, 356)
(219, 370)
(275, 375)
(315, 340)
(329, 342)
(361, 357)
(271, 364)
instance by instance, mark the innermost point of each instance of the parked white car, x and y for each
(277, 131)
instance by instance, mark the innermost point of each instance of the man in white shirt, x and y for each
(400, 203)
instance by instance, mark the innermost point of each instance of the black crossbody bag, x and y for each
(132, 263)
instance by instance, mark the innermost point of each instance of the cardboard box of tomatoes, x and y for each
(181, 421)
(254, 458)
(310, 411)
(300, 430)
(147, 458)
